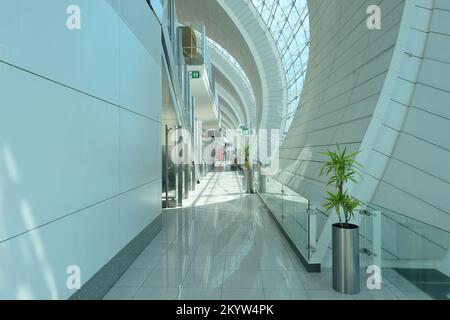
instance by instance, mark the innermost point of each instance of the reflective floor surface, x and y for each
(230, 249)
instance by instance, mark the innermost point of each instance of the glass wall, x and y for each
(288, 22)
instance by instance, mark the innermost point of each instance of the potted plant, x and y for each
(341, 168)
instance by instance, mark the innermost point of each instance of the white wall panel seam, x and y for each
(79, 91)
(77, 211)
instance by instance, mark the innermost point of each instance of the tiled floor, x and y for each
(436, 284)
(215, 188)
(229, 248)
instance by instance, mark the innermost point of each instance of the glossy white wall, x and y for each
(80, 118)
(346, 72)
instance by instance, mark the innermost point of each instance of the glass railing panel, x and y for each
(370, 237)
(321, 215)
(273, 197)
(293, 213)
(193, 43)
(399, 240)
(415, 255)
(406, 238)
(295, 219)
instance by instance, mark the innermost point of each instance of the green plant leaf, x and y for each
(340, 167)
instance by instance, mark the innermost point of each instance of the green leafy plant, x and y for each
(246, 151)
(340, 168)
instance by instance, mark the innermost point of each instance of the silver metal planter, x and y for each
(346, 273)
(248, 176)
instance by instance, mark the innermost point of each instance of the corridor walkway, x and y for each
(227, 248)
(215, 188)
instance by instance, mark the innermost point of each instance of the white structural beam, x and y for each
(268, 60)
(239, 85)
(230, 111)
(231, 100)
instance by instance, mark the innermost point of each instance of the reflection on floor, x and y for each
(230, 249)
(434, 283)
(216, 187)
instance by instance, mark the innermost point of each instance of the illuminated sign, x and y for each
(195, 74)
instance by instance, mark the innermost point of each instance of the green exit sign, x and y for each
(244, 131)
(195, 74)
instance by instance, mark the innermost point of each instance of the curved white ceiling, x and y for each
(235, 26)
(237, 79)
(266, 55)
(226, 89)
(227, 106)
